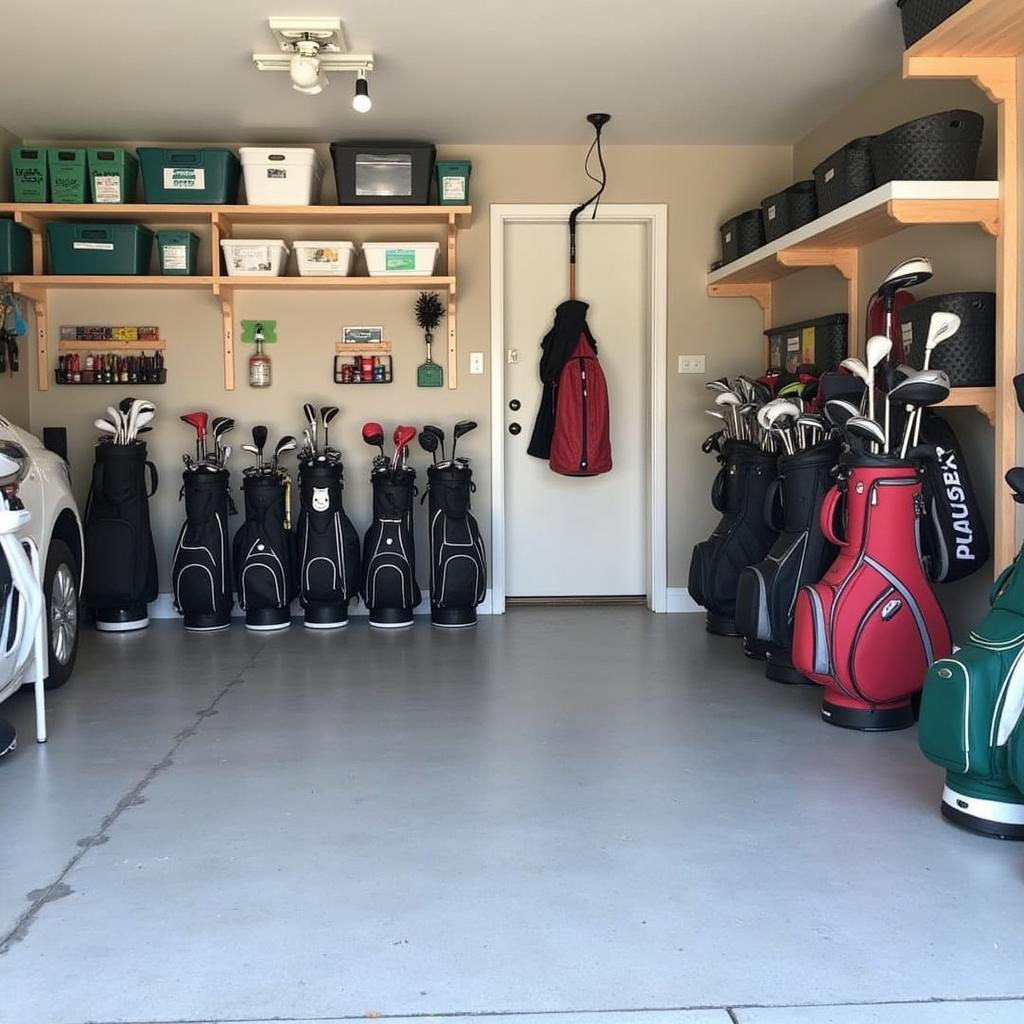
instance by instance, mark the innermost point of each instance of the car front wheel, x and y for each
(60, 585)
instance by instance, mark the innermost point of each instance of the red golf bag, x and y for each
(869, 630)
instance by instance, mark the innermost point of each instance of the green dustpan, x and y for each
(429, 374)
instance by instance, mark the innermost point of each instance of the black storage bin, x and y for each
(742, 234)
(845, 175)
(790, 209)
(383, 173)
(822, 341)
(921, 16)
(969, 357)
(940, 147)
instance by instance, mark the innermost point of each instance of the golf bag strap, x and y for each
(153, 479)
(718, 490)
(773, 505)
(1000, 582)
(829, 509)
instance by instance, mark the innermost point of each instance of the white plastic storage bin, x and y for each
(324, 259)
(254, 257)
(281, 177)
(385, 259)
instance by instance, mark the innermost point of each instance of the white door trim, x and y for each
(655, 216)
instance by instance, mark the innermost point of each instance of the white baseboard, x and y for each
(163, 607)
(679, 600)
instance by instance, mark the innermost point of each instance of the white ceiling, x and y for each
(469, 71)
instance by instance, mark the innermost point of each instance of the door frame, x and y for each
(655, 217)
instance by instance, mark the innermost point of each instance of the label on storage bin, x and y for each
(192, 179)
(907, 332)
(728, 236)
(771, 213)
(830, 174)
(107, 188)
(175, 257)
(277, 172)
(453, 188)
(251, 259)
(103, 246)
(400, 259)
(808, 345)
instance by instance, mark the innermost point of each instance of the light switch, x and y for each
(476, 362)
(691, 364)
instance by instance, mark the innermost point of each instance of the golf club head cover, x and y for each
(329, 569)
(801, 553)
(970, 721)
(264, 552)
(120, 558)
(458, 563)
(201, 568)
(954, 538)
(389, 556)
(870, 628)
(743, 535)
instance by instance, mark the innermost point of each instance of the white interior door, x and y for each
(568, 536)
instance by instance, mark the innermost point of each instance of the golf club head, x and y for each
(877, 350)
(428, 442)
(402, 436)
(907, 274)
(309, 411)
(197, 421)
(105, 427)
(721, 384)
(250, 449)
(259, 436)
(838, 411)
(125, 405)
(143, 419)
(462, 428)
(284, 445)
(865, 430)
(1018, 387)
(1015, 480)
(328, 414)
(941, 327)
(373, 434)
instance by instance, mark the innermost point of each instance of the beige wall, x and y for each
(702, 185)
(13, 388)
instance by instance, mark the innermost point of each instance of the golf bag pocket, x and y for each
(264, 550)
(389, 557)
(328, 542)
(458, 564)
(954, 538)
(201, 568)
(120, 562)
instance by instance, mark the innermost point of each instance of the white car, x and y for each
(55, 529)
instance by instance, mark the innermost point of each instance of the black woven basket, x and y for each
(845, 175)
(969, 357)
(742, 234)
(940, 147)
(790, 209)
(921, 16)
(791, 345)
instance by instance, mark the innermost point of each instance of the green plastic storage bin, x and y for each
(189, 175)
(113, 174)
(15, 248)
(453, 182)
(177, 251)
(68, 177)
(28, 172)
(99, 248)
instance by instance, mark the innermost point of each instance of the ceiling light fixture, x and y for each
(361, 102)
(310, 48)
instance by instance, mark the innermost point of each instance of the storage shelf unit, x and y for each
(221, 221)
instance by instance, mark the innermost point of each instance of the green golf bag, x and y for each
(971, 717)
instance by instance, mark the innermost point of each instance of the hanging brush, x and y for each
(429, 313)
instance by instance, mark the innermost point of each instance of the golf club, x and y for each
(284, 445)
(259, 439)
(869, 432)
(929, 387)
(428, 442)
(840, 411)
(310, 413)
(327, 416)
(461, 429)
(876, 350)
(197, 421)
(733, 401)
(431, 429)
(106, 428)
(1015, 480)
(401, 437)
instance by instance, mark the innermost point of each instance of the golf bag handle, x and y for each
(829, 508)
(718, 491)
(154, 479)
(773, 514)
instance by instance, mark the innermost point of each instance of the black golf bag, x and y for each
(120, 559)
(743, 535)
(390, 590)
(458, 563)
(264, 554)
(767, 590)
(328, 546)
(201, 570)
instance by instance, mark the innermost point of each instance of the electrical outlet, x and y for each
(476, 362)
(691, 364)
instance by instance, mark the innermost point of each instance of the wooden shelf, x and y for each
(42, 283)
(223, 284)
(982, 28)
(382, 348)
(159, 345)
(882, 212)
(983, 399)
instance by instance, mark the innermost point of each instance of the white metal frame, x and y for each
(655, 217)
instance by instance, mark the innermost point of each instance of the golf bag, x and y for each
(201, 568)
(743, 535)
(120, 559)
(971, 714)
(801, 554)
(264, 554)
(328, 546)
(954, 538)
(458, 564)
(390, 590)
(869, 630)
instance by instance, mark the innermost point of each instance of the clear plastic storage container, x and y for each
(254, 257)
(385, 259)
(324, 259)
(289, 176)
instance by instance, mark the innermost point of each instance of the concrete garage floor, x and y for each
(565, 810)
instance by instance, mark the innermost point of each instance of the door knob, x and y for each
(514, 428)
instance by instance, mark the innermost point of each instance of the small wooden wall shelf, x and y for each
(104, 347)
(221, 222)
(381, 348)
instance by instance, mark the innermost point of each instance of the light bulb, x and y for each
(361, 102)
(305, 71)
